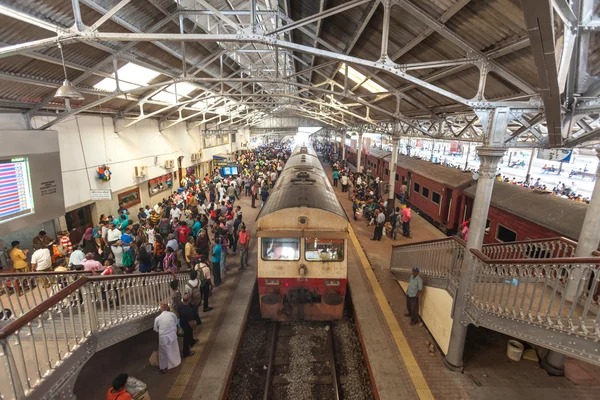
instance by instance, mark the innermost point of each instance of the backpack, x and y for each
(196, 296)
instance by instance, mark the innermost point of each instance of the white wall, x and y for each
(87, 141)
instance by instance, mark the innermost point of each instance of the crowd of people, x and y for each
(369, 203)
(562, 189)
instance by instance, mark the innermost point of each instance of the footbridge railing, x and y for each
(42, 351)
(21, 292)
(534, 290)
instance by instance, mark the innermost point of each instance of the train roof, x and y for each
(552, 212)
(450, 177)
(302, 183)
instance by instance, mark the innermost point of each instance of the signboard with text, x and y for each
(101, 194)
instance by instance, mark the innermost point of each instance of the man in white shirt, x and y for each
(174, 213)
(113, 234)
(168, 348)
(41, 260)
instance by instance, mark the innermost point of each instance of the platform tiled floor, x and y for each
(488, 373)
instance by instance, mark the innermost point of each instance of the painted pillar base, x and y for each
(554, 363)
(453, 368)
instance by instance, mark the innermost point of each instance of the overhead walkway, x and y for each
(63, 319)
(517, 289)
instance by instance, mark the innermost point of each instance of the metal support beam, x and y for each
(539, 21)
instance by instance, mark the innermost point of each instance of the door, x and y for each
(77, 223)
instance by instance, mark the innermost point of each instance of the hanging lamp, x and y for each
(67, 91)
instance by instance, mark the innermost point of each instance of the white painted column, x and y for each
(489, 157)
(344, 147)
(392, 183)
(589, 238)
(359, 148)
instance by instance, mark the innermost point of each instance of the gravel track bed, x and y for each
(299, 343)
(355, 383)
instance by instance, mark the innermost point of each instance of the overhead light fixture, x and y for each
(67, 91)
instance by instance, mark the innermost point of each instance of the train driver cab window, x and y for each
(316, 249)
(503, 234)
(281, 249)
(417, 188)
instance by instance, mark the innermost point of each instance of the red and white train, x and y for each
(445, 195)
(302, 241)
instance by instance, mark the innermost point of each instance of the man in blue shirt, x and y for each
(413, 292)
(216, 262)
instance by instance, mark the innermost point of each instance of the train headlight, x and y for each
(332, 283)
(273, 282)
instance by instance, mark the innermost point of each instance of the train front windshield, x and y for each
(287, 249)
(316, 249)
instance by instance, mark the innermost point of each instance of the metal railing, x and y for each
(20, 293)
(532, 291)
(437, 259)
(558, 247)
(41, 348)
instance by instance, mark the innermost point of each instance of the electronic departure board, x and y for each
(16, 198)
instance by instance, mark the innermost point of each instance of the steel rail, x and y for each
(334, 377)
(270, 366)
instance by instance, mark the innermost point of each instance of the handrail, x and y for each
(42, 307)
(63, 294)
(426, 242)
(88, 315)
(41, 273)
(566, 260)
(528, 241)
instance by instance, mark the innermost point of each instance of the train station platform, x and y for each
(205, 374)
(399, 357)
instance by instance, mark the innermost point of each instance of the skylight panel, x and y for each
(131, 76)
(134, 73)
(110, 85)
(359, 78)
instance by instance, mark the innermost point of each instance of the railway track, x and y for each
(301, 362)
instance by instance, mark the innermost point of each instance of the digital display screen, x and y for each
(229, 170)
(16, 198)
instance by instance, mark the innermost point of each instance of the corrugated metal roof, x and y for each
(482, 24)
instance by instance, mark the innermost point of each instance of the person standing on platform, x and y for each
(413, 292)
(254, 188)
(168, 349)
(344, 182)
(216, 262)
(379, 222)
(205, 284)
(406, 217)
(244, 245)
(264, 195)
(18, 257)
(336, 175)
(403, 190)
(188, 320)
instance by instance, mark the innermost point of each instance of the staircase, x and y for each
(517, 288)
(43, 350)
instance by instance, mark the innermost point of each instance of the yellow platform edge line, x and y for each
(188, 365)
(414, 371)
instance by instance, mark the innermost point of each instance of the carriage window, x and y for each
(281, 249)
(387, 171)
(436, 198)
(504, 234)
(488, 224)
(417, 188)
(425, 192)
(316, 249)
(396, 177)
